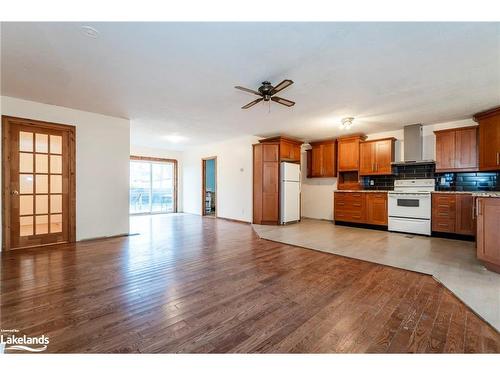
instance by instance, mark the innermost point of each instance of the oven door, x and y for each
(410, 205)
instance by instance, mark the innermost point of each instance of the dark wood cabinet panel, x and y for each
(384, 156)
(465, 221)
(375, 157)
(322, 159)
(366, 158)
(348, 153)
(329, 159)
(376, 208)
(363, 208)
(348, 162)
(316, 162)
(288, 150)
(453, 213)
(488, 232)
(466, 149)
(445, 151)
(266, 183)
(457, 149)
(267, 156)
(443, 213)
(489, 139)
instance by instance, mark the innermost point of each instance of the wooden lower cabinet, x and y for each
(488, 232)
(361, 207)
(376, 208)
(453, 213)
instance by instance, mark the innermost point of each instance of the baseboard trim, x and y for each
(108, 237)
(234, 220)
(314, 218)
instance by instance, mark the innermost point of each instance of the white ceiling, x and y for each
(178, 78)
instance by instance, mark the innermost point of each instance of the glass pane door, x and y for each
(40, 184)
(163, 187)
(140, 187)
(152, 187)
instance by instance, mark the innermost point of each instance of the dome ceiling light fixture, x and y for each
(89, 31)
(347, 122)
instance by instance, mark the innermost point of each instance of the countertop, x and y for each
(361, 191)
(487, 194)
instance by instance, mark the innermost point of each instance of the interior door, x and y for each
(39, 185)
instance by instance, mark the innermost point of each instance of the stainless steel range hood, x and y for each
(413, 146)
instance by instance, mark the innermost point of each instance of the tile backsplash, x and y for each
(466, 181)
(473, 181)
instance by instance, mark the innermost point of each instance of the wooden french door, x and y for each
(39, 183)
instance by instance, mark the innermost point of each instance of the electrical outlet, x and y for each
(372, 182)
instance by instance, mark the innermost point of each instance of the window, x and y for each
(153, 185)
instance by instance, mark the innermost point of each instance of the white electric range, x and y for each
(409, 206)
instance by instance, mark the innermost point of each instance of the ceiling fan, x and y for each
(267, 92)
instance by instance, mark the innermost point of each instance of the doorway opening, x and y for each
(38, 177)
(209, 186)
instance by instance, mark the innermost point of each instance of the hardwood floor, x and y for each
(198, 285)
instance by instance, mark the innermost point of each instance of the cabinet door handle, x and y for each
(498, 158)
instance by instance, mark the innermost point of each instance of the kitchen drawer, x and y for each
(349, 205)
(349, 216)
(443, 225)
(348, 196)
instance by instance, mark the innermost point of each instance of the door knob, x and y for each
(15, 192)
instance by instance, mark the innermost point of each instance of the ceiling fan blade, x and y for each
(248, 90)
(281, 86)
(286, 102)
(251, 104)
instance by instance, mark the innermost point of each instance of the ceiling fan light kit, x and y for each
(267, 92)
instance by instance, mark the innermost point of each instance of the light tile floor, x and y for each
(452, 262)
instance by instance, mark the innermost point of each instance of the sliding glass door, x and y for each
(152, 185)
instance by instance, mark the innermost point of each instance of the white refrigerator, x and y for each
(290, 192)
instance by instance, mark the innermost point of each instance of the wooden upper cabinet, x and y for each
(488, 233)
(322, 159)
(289, 149)
(445, 150)
(489, 139)
(375, 157)
(457, 149)
(466, 149)
(348, 153)
(366, 158)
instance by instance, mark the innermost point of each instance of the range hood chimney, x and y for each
(413, 146)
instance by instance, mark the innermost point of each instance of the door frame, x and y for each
(203, 186)
(159, 160)
(6, 138)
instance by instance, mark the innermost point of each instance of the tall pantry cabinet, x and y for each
(267, 155)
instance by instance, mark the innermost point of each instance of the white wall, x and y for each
(317, 193)
(165, 154)
(234, 177)
(102, 164)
